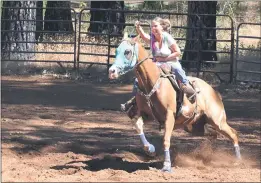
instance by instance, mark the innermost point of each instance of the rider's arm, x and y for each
(173, 46)
(143, 35)
(175, 52)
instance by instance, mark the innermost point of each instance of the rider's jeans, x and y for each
(178, 71)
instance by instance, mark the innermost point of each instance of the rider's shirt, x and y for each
(165, 50)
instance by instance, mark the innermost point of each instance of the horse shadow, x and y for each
(109, 162)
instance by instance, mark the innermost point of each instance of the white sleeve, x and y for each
(170, 39)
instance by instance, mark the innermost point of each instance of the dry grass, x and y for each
(53, 56)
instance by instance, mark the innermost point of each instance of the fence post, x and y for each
(232, 51)
(109, 50)
(199, 47)
(79, 38)
(75, 40)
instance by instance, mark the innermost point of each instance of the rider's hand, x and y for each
(160, 59)
(137, 24)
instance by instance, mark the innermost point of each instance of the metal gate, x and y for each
(98, 48)
(88, 48)
(248, 59)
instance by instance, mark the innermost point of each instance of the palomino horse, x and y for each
(156, 97)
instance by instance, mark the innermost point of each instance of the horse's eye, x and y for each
(128, 54)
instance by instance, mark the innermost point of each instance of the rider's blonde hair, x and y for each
(165, 23)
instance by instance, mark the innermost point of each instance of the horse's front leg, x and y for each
(169, 125)
(148, 147)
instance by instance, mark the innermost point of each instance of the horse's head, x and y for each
(125, 57)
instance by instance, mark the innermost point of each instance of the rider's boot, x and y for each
(125, 107)
(189, 91)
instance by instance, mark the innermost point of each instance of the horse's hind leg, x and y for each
(232, 135)
(148, 147)
(222, 127)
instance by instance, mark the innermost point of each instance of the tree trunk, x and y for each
(58, 10)
(14, 41)
(107, 16)
(39, 17)
(153, 5)
(200, 34)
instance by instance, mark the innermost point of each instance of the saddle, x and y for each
(176, 84)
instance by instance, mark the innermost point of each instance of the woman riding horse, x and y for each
(157, 98)
(165, 50)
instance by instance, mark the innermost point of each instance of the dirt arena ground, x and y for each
(62, 130)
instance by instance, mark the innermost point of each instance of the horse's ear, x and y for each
(125, 36)
(136, 38)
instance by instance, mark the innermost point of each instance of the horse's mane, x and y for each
(132, 41)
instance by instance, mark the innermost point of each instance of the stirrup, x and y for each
(190, 94)
(123, 107)
(193, 96)
(126, 106)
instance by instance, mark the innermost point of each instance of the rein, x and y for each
(154, 89)
(139, 63)
(156, 85)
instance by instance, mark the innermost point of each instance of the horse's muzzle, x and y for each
(113, 74)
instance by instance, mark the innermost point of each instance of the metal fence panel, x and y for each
(102, 45)
(248, 59)
(87, 48)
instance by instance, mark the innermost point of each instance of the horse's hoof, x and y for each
(166, 167)
(150, 150)
(237, 151)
